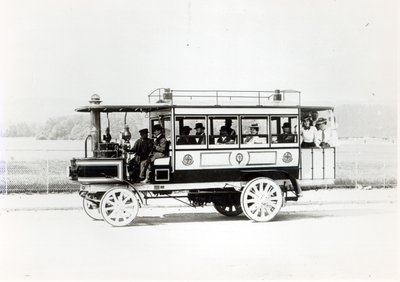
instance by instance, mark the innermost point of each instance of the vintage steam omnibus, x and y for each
(262, 166)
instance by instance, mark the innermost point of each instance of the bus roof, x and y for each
(154, 108)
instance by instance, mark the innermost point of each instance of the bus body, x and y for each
(210, 171)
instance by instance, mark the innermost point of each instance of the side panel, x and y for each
(317, 166)
(100, 170)
(229, 159)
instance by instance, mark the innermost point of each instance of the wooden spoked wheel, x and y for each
(261, 199)
(228, 210)
(92, 210)
(119, 206)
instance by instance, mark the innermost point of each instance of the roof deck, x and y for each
(275, 98)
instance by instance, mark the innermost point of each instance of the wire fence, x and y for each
(46, 171)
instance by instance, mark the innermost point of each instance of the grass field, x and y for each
(41, 166)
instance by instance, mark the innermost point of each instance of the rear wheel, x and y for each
(119, 206)
(92, 210)
(261, 199)
(228, 209)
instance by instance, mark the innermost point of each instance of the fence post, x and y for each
(5, 175)
(356, 174)
(47, 172)
(384, 173)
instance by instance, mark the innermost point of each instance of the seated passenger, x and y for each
(286, 136)
(253, 138)
(307, 133)
(200, 133)
(225, 138)
(160, 150)
(186, 139)
(107, 135)
(229, 129)
(323, 137)
(142, 149)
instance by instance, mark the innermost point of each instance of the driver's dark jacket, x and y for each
(142, 148)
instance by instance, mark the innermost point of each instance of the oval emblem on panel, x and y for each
(187, 160)
(287, 157)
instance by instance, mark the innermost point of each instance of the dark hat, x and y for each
(157, 127)
(223, 128)
(186, 128)
(144, 131)
(286, 124)
(321, 120)
(199, 125)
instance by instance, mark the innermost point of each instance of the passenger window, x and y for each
(166, 125)
(284, 130)
(223, 130)
(254, 131)
(190, 131)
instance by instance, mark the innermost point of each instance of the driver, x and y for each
(160, 150)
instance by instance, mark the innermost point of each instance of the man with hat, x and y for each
(160, 150)
(286, 136)
(142, 149)
(323, 137)
(185, 139)
(200, 133)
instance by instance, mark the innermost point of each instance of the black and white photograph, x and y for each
(199, 140)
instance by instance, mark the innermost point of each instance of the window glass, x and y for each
(190, 131)
(166, 125)
(254, 130)
(284, 129)
(223, 130)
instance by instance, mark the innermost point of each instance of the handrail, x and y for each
(167, 95)
(91, 138)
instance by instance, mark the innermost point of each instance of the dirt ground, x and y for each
(328, 234)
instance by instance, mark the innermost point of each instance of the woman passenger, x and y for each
(307, 134)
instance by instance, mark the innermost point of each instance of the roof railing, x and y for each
(225, 97)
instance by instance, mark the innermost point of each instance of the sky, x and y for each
(55, 54)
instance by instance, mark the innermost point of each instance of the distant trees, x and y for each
(20, 129)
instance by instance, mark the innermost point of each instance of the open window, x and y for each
(223, 132)
(254, 132)
(284, 131)
(190, 132)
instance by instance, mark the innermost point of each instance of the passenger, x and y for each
(225, 138)
(307, 133)
(230, 130)
(142, 149)
(200, 134)
(323, 137)
(107, 135)
(253, 138)
(186, 139)
(160, 150)
(286, 136)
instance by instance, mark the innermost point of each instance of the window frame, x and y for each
(181, 147)
(210, 118)
(296, 135)
(263, 145)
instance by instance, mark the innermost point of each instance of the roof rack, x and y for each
(225, 97)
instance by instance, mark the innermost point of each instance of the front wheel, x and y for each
(228, 210)
(119, 206)
(261, 199)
